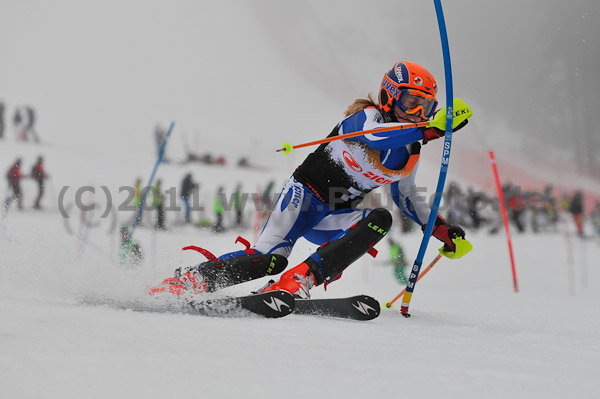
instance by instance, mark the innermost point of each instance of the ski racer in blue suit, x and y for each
(319, 200)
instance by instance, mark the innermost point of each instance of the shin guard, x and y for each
(333, 257)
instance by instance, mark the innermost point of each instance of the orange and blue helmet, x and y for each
(411, 88)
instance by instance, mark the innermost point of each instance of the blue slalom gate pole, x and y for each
(145, 192)
(414, 275)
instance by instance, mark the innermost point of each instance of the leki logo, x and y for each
(271, 265)
(351, 162)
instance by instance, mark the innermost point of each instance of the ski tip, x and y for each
(367, 306)
(273, 304)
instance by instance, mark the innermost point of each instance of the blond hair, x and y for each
(359, 104)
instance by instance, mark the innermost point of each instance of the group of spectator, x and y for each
(195, 210)
(206, 158)
(15, 175)
(527, 210)
(157, 199)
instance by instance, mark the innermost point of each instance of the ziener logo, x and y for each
(351, 162)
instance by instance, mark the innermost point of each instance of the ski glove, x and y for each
(445, 233)
(437, 126)
(432, 133)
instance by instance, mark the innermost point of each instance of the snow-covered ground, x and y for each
(470, 335)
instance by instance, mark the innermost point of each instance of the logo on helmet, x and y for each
(391, 89)
(351, 162)
(418, 81)
(401, 72)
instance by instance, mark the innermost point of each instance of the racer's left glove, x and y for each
(437, 126)
(453, 237)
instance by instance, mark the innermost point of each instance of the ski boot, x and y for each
(217, 273)
(189, 281)
(297, 281)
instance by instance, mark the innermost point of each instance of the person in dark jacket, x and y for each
(30, 125)
(14, 177)
(219, 209)
(187, 188)
(516, 205)
(576, 209)
(238, 204)
(39, 175)
(158, 201)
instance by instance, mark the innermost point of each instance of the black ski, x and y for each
(224, 273)
(269, 304)
(359, 307)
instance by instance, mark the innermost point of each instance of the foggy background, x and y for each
(241, 75)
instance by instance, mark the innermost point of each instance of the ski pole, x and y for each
(427, 269)
(287, 148)
(461, 110)
(145, 192)
(414, 275)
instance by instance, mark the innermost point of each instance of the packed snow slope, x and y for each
(470, 334)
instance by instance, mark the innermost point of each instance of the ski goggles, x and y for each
(416, 102)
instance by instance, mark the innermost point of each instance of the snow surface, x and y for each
(470, 335)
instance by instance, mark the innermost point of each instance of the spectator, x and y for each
(475, 202)
(398, 261)
(29, 130)
(576, 209)
(158, 201)
(595, 216)
(14, 177)
(457, 207)
(219, 208)
(243, 163)
(516, 204)
(130, 252)
(551, 205)
(160, 135)
(238, 205)
(137, 200)
(187, 188)
(39, 175)
(266, 197)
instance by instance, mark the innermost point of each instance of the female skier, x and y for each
(319, 200)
